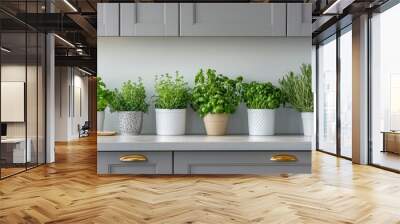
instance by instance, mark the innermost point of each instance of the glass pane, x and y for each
(41, 98)
(346, 94)
(31, 99)
(13, 87)
(385, 87)
(327, 96)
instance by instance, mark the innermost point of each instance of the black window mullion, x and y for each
(317, 96)
(338, 76)
(26, 87)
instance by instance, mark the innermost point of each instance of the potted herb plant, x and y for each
(103, 96)
(171, 99)
(297, 91)
(214, 97)
(261, 100)
(130, 103)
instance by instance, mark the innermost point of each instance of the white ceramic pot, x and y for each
(308, 123)
(171, 121)
(100, 120)
(130, 122)
(261, 121)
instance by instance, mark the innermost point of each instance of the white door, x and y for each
(233, 19)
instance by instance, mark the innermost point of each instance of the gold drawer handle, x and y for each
(133, 158)
(284, 158)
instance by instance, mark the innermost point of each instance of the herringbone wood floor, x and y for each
(69, 191)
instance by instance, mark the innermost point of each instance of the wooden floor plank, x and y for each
(70, 191)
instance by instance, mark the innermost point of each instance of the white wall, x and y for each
(69, 81)
(256, 58)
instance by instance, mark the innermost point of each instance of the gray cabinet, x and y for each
(107, 19)
(242, 162)
(299, 19)
(191, 154)
(149, 19)
(232, 19)
(135, 162)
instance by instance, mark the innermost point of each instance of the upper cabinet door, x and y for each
(108, 19)
(149, 19)
(299, 19)
(233, 19)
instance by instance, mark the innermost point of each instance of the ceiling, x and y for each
(75, 21)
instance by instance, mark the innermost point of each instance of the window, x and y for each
(346, 93)
(335, 94)
(327, 96)
(385, 89)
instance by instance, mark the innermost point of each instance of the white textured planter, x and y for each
(261, 121)
(100, 120)
(308, 123)
(130, 122)
(171, 121)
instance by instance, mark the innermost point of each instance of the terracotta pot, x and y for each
(216, 123)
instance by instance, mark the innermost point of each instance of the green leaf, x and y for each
(103, 95)
(215, 93)
(297, 89)
(171, 92)
(131, 97)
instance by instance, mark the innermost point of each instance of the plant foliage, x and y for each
(171, 92)
(214, 93)
(297, 89)
(261, 95)
(131, 97)
(103, 95)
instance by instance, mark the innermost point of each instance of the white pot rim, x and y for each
(136, 111)
(259, 109)
(172, 110)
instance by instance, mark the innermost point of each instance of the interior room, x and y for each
(199, 111)
(22, 99)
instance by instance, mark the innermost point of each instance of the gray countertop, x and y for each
(204, 143)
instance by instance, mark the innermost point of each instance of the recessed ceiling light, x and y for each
(5, 50)
(337, 7)
(84, 71)
(70, 5)
(64, 40)
(328, 10)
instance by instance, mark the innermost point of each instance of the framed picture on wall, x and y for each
(12, 101)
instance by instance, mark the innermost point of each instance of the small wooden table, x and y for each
(391, 141)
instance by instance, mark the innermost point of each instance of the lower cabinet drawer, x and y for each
(134, 162)
(242, 162)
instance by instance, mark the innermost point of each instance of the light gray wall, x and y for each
(256, 58)
(66, 121)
